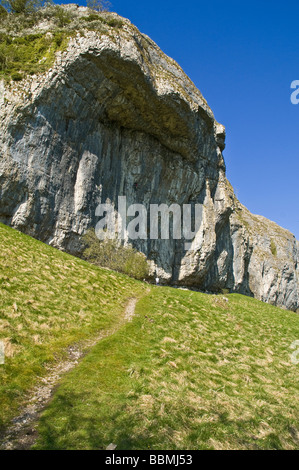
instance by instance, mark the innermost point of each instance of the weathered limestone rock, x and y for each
(114, 111)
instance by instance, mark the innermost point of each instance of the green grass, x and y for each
(273, 248)
(48, 300)
(109, 21)
(23, 54)
(29, 55)
(190, 372)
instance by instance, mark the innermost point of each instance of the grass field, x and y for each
(191, 371)
(48, 301)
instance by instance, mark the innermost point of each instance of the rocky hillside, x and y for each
(111, 115)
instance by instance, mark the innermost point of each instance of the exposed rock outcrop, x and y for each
(114, 111)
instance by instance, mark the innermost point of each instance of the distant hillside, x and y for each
(190, 371)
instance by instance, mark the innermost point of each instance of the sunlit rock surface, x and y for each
(115, 116)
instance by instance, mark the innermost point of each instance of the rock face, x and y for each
(115, 116)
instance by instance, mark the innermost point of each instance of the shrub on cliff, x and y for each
(110, 254)
(98, 5)
(30, 54)
(61, 17)
(3, 11)
(30, 6)
(23, 6)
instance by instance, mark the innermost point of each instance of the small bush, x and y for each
(98, 5)
(61, 17)
(17, 77)
(58, 38)
(24, 6)
(273, 248)
(3, 12)
(225, 291)
(114, 23)
(92, 17)
(110, 254)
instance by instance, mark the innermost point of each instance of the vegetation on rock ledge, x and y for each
(30, 54)
(111, 254)
(32, 32)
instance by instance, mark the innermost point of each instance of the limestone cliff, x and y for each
(114, 111)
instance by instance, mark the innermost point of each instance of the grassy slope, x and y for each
(191, 371)
(48, 300)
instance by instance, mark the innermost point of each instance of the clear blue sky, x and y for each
(243, 58)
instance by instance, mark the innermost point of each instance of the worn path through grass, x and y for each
(22, 434)
(52, 308)
(191, 371)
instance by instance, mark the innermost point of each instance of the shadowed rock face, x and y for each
(115, 111)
